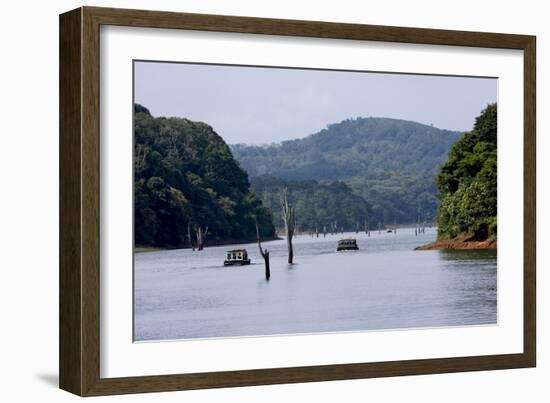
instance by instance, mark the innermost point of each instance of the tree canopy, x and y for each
(358, 171)
(185, 177)
(468, 181)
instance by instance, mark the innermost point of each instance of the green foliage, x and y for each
(400, 197)
(185, 176)
(350, 148)
(388, 162)
(316, 205)
(468, 181)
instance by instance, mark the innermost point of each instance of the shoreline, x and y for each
(461, 242)
(147, 248)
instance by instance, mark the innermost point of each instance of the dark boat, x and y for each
(236, 257)
(347, 244)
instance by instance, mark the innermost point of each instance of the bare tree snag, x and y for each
(290, 222)
(263, 252)
(141, 156)
(201, 235)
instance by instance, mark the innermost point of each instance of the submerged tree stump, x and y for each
(263, 252)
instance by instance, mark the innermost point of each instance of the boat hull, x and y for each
(341, 248)
(236, 262)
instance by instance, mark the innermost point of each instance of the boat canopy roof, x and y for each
(348, 240)
(236, 250)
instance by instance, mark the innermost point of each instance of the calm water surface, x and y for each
(385, 285)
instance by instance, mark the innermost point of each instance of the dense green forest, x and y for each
(318, 207)
(468, 182)
(389, 164)
(188, 188)
(191, 188)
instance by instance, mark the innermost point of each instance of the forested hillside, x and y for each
(188, 189)
(318, 207)
(350, 148)
(391, 164)
(468, 182)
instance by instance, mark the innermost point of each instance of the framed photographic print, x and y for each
(248, 201)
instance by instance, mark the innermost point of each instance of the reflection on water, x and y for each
(385, 285)
(451, 254)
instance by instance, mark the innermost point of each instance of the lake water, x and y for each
(183, 294)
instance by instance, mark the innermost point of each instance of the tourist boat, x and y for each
(347, 244)
(236, 257)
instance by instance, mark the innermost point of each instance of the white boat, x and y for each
(347, 244)
(236, 257)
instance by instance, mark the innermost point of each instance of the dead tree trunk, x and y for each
(416, 232)
(201, 235)
(367, 227)
(200, 244)
(290, 222)
(141, 157)
(263, 252)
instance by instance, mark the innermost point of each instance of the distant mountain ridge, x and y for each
(350, 148)
(390, 163)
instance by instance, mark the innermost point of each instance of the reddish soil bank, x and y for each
(461, 242)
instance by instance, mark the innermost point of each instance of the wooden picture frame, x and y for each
(79, 348)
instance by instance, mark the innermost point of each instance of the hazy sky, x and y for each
(256, 105)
